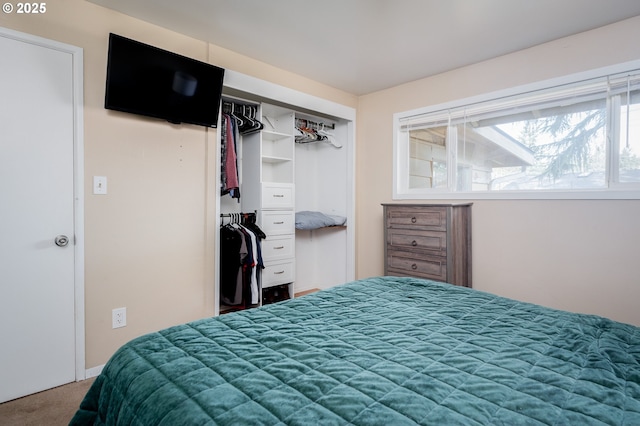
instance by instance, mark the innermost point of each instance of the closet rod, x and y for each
(237, 214)
(239, 217)
(312, 124)
(238, 103)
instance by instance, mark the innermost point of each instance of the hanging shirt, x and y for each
(229, 173)
(232, 253)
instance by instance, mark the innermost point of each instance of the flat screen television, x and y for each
(146, 80)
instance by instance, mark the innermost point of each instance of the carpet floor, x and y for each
(53, 407)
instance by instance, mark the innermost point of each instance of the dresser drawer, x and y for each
(434, 241)
(277, 196)
(278, 222)
(431, 218)
(276, 273)
(408, 264)
(278, 247)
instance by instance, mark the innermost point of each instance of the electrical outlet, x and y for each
(119, 317)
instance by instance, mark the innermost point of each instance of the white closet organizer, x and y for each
(268, 187)
(279, 177)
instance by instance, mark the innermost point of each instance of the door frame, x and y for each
(78, 181)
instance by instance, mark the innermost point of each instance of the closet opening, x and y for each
(291, 168)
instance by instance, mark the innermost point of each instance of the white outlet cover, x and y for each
(119, 317)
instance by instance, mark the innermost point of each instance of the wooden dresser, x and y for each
(430, 241)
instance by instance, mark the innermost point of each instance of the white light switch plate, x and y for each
(99, 185)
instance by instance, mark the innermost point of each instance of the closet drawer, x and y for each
(276, 273)
(431, 218)
(277, 196)
(278, 223)
(276, 247)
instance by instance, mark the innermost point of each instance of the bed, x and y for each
(379, 351)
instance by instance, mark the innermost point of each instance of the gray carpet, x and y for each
(52, 407)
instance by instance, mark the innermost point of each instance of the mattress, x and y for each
(379, 351)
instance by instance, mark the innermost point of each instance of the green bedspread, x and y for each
(380, 351)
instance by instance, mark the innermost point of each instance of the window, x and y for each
(581, 137)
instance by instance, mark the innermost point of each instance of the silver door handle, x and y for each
(61, 240)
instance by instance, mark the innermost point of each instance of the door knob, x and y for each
(61, 240)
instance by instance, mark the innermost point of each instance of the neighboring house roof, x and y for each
(502, 149)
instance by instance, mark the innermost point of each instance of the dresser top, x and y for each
(426, 204)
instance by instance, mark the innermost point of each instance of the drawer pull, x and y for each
(414, 220)
(278, 273)
(414, 266)
(278, 196)
(278, 248)
(278, 223)
(414, 243)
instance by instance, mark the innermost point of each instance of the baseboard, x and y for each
(304, 292)
(93, 372)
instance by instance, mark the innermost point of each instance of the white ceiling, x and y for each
(361, 46)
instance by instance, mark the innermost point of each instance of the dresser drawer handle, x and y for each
(278, 248)
(414, 243)
(414, 220)
(414, 266)
(278, 196)
(278, 223)
(278, 273)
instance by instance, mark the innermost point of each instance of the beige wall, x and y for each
(148, 241)
(574, 255)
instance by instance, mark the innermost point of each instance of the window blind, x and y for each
(574, 97)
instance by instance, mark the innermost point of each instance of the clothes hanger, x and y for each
(254, 110)
(254, 125)
(247, 122)
(329, 137)
(307, 134)
(314, 132)
(239, 120)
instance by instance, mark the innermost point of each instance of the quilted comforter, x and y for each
(380, 351)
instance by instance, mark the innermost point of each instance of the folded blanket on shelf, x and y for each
(315, 220)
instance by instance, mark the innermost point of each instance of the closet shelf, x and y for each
(274, 136)
(273, 159)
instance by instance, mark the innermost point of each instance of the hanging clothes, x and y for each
(237, 120)
(229, 180)
(240, 262)
(232, 252)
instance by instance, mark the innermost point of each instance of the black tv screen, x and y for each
(146, 80)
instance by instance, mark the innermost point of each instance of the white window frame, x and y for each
(614, 190)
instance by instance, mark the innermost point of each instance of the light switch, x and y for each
(99, 185)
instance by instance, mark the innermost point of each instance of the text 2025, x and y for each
(31, 8)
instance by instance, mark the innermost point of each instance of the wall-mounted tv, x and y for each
(146, 80)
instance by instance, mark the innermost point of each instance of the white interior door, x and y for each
(37, 297)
